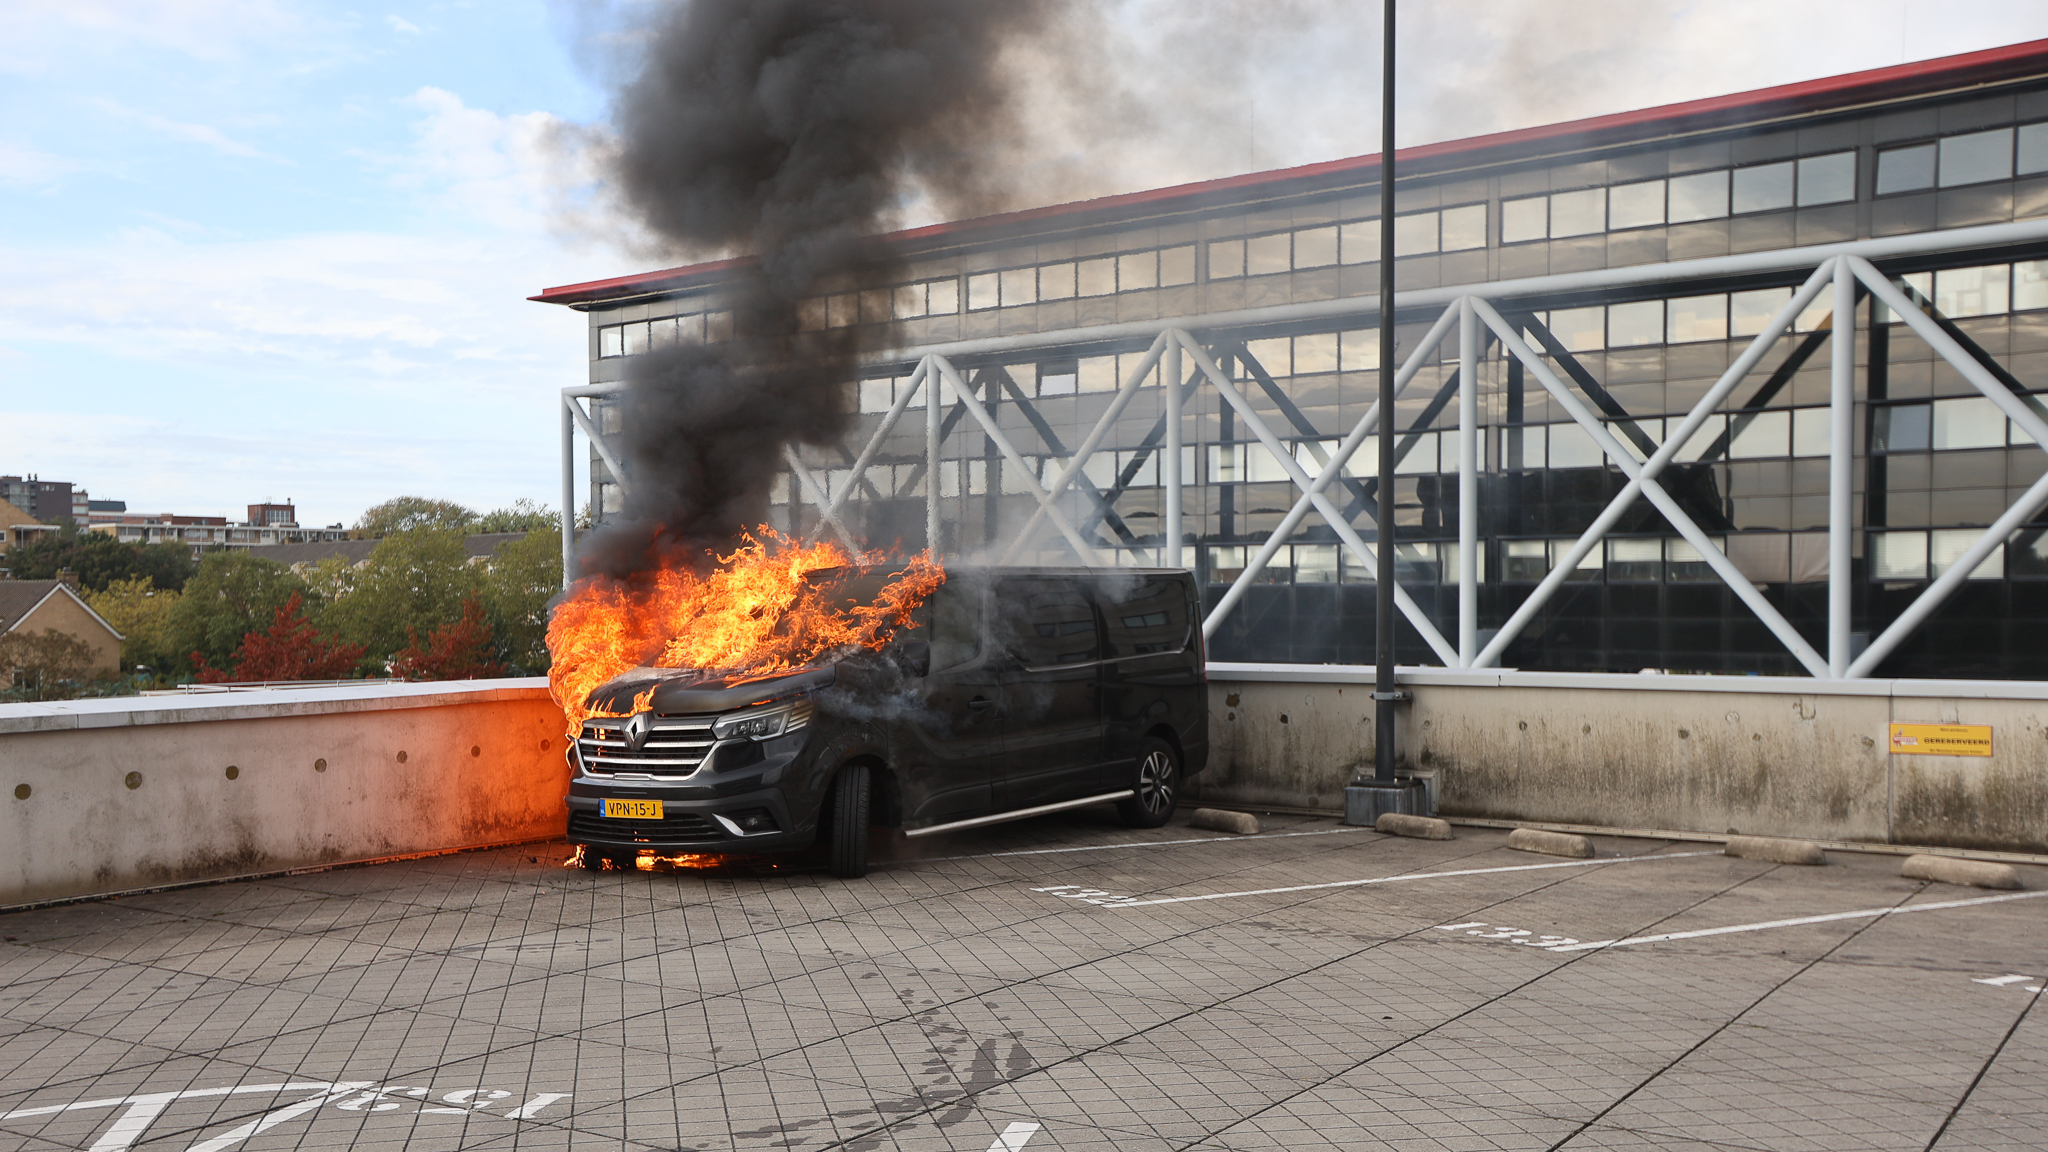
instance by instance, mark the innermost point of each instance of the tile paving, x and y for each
(498, 1000)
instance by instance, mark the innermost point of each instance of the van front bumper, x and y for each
(724, 824)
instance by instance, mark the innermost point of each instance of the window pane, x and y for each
(1902, 428)
(1748, 312)
(1415, 234)
(1976, 157)
(2029, 550)
(1056, 282)
(1811, 429)
(1971, 291)
(981, 291)
(1702, 196)
(1524, 219)
(1703, 438)
(1573, 447)
(2033, 154)
(1057, 379)
(1898, 555)
(1767, 434)
(1636, 205)
(1315, 247)
(1315, 564)
(1631, 325)
(1827, 179)
(2030, 285)
(877, 395)
(1098, 277)
(636, 339)
(1948, 547)
(942, 297)
(1696, 318)
(1905, 169)
(610, 341)
(1524, 561)
(1315, 353)
(1420, 459)
(1177, 266)
(1580, 329)
(1271, 354)
(1360, 241)
(1097, 374)
(1763, 188)
(1684, 562)
(907, 302)
(1635, 561)
(1261, 468)
(1578, 213)
(1589, 565)
(1264, 255)
(1968, 422)
(1464, 228)
(1136, 271)
(1020, 286)
(1359, 351)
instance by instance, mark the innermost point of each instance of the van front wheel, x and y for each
(848, 843)
(1156, 788)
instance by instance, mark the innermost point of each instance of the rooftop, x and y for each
(1854, 91)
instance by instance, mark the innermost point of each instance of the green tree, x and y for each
(412, 583)
(406, 513)
(232, 594)
(522, 576)
(141, 613)
(100, 559)
(523, 516)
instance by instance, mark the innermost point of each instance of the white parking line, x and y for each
(1861, 914)
(1106, 900)
(1133, 844)
(1014, 1137)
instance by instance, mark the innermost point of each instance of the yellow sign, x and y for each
(1941, 739)
(646, 809)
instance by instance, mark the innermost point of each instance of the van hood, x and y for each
(694, 691)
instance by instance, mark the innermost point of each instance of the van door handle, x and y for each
(979, 703)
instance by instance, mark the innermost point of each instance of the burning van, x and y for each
(1001, 693)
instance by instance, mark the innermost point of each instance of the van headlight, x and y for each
(762, 723)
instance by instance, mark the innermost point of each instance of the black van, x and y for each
(1017, 691)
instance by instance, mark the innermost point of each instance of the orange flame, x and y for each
(756, 613)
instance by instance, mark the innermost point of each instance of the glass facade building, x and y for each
(1046, 313)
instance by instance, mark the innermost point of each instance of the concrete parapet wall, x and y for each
(129, 793)
(1771, 756)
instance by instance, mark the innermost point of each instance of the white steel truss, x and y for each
(1837, 269)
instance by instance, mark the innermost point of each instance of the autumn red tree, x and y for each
(291, 649)
(458, 651)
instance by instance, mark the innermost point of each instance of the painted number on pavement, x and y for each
(1485, 931)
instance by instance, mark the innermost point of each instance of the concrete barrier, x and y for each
(1775, 850)
(113, 795)
(1949, 870)
(1416, 827)
(1771, 756)
(1218, 820)
(1550, 843)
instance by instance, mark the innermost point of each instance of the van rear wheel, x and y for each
(1156, 787)
(848, 844)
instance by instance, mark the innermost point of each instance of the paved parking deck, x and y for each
(1060, 984)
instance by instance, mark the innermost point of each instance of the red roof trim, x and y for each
(1901, 80)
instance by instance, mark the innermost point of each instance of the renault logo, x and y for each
(637, 728)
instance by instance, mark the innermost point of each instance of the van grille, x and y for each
(675, 748)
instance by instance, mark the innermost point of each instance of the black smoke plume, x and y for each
(789, 133)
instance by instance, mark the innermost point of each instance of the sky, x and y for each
(259, 250)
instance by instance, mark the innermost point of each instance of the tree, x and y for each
(458, 651)
(46, 665)
(100, 559)
(141, 613)
(523, 575)
(406, 513)
(413, 582)
(232, 595)
(523, 516)
(291, 649)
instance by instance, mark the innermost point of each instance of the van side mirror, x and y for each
(914, 657)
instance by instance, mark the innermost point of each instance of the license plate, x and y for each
(632, 809)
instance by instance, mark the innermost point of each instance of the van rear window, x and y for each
(1146, 617)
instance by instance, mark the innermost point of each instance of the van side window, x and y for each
(956, 625)
(1145, 617)
(1047, 622)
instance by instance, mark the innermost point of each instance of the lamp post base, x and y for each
(1365, 801)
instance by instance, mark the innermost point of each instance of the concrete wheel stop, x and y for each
(1775, 849)
(1550, 843)
(1419, 827)
(1220, 820)
(1955, 870)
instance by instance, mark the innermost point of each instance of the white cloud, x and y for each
(204, 135)
(401, 25)
(25, 167)
(39, 35)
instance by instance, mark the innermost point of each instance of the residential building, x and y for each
(48, 501)
(31, 606)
